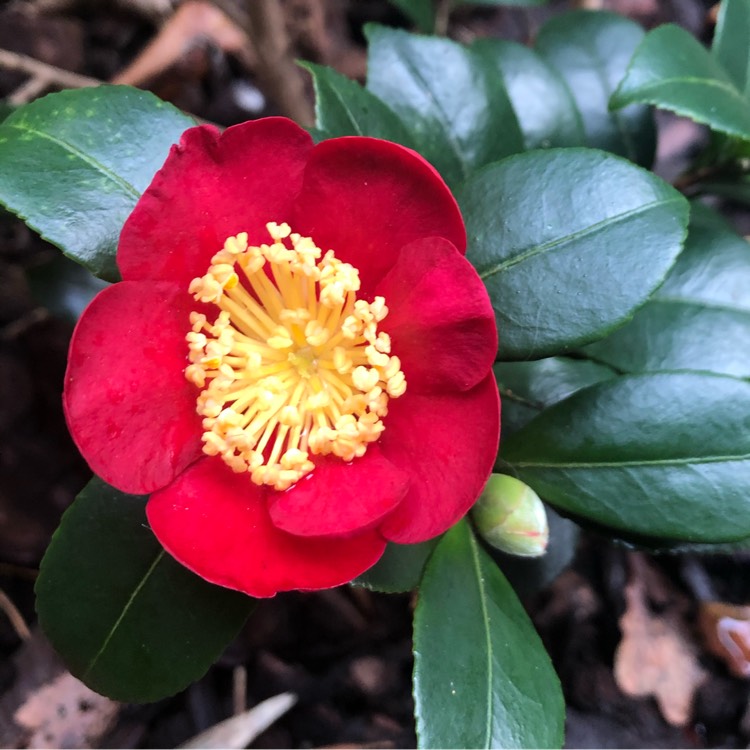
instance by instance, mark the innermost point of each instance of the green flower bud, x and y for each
(510, 517)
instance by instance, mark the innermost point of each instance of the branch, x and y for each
(42, 76)
(277, 73)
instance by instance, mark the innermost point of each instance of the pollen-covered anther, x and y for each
(293, 365)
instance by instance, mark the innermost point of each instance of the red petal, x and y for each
(440, 318)
(365, 199)
(216, 523)
(213, 186)
(339, 498)
(129, 408)
(448, 443)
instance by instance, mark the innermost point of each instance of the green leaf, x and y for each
(545, 110)
(73, 165)
(569, 243)
(5, 110)
(731, 45)
(343, 107)
(451, 99)
(127, 619)
(674, 71)
(420, 12)
(661, 455)
(399, 569)
(526, 388)
(591, 51)
(482, 678)
(700, 318)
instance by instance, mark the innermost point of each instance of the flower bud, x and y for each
(510, 517)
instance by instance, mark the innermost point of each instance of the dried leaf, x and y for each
(726, 629)
(241, 730)
(65, 713)
(656, 658)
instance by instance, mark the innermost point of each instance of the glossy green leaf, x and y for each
(526, 388)
(482, 678)
(731, 45)
(343, 107)
(545, 110)
(569, 243)
(700, 318)
(73, 165)
(451, 99)
(127, 619)
(591, 51)
(674, 71)
(399, 569)
(660, 455)
(420, 12)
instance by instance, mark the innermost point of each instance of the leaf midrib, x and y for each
(450, 139)
(340, 99)
(591, 229)
(118, 622)
(70, 148)
(488, 637)
(687, 461)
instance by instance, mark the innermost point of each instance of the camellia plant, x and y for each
(293, 380)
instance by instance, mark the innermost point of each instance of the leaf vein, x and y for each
(124, 612)
(452, 141)
(592, 229)
(687, 461)
(488, 636)
(66, 146)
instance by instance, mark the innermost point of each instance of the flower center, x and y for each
(294, 364)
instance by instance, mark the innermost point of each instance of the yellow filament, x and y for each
(294, 364)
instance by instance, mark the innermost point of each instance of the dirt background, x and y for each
(645, 660)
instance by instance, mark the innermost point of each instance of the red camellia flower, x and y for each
(296, 365)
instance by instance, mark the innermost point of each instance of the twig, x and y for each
(443, 10)
(18, 571)
(15, 617)
(234, 11)
(43, 75)
(239, 690)
(277, 73)
(193, 20)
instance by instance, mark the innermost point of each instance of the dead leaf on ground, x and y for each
(239, 731)
(656, 657)
(65, 713)
(726, 629)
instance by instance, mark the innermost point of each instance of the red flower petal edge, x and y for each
(441, 321)
(212, 186)
(385, 196)
(130, 410)
(380, 208)
(216, 523)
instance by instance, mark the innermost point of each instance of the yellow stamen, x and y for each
(294, 364)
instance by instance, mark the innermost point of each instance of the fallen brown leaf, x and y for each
(655, 656)
(65, 713)
(726, 629)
